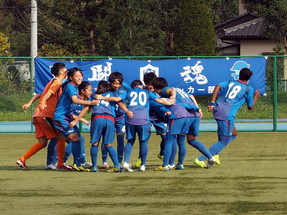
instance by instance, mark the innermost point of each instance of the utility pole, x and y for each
(34, 32)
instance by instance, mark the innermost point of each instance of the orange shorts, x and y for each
(44, 127)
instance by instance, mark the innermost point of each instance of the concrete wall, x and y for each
(256, 47)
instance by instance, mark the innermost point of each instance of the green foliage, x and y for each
(194, 33)
(223, 10)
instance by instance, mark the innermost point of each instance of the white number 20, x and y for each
(142, 98)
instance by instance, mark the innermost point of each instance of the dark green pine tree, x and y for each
(194, 33)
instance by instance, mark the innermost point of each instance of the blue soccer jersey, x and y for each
(183, 99)
(63, 108)
(138, 102)
(178, 110)
(232, 95)
(105, 107)
(120, 114)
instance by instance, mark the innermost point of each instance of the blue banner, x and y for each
(195, 76)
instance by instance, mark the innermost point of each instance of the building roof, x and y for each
(245, 26)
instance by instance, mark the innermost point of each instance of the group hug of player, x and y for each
(122, 110)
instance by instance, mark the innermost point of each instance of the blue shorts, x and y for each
(193, 126)
(120, 126)
(225, 127)
(102, 126)
(159, 126)
(178, 126)
(142, 130)
(63, 127)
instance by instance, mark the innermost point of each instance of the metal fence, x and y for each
(17, 87)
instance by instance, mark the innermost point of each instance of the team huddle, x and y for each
(124, 111)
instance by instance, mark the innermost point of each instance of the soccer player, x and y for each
(186, 121)
(63, 118)
(138, 103)
(157, 113)
(85, 92)
(103, 124)
(227, 98)
(117, 84)
(43, 114)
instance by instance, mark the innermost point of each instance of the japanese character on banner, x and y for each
(193, 73)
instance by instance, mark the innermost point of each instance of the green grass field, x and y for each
(252, 179)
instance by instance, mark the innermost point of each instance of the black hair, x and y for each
(103, 87)
(71, 72)
(83, 85)
(159, 83)
(116, 76)
(57, 67)
(148, 78)
(135, 83)
(245, 74)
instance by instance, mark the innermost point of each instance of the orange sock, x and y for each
(33, 150)
(61, 151)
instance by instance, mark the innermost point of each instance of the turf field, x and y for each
(252, 179)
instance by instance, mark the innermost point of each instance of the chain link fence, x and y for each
(17, 88)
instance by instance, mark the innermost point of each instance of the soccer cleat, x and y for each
(217, 159)
(179, 167)
(162, 168)
(87, 165)
(94, 169)
(51, 167)
(80, 168)
(160, 156)
(138, 162)
(199, 163)
(127, 167)
(210, 162)
(65, 167)
(22, 164)
(105, 165)
(116, 170)
(141, 168)
(171, 167)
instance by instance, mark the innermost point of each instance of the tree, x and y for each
(4, 45)
(194, 33)
(274, 12)
(223, 10)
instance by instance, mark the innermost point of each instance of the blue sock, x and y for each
(217, 147)
(162, 143)
(144, 150)
(181, 149)
(94, 154)
(114, 156)
(83, 150)
(121, 146)
(76, 150)
(173, 153)
(51, 149)
(68, 151)
(170, 140)
(200, 147)
(128, 150)
(104, 153)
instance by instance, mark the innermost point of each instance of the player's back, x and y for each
(105, 107)
(232, 95)
(54, 87)
(138, 103)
